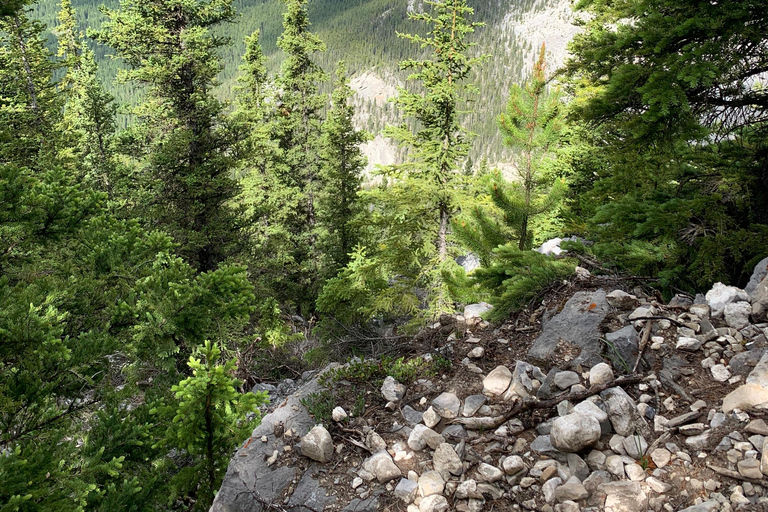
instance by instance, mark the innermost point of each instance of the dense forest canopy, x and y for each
(154, 266)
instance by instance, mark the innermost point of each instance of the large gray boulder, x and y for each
(760, 302)
(758, 275)
(248, 473)
(574, 333)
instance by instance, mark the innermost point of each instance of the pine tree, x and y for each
(342, 166)
(171, 49)
(532, 124)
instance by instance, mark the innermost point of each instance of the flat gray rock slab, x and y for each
(308, 493)
(575, 330)
(248, 474)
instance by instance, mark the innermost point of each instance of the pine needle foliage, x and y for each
(209, 419)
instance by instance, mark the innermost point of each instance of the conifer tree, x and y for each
(406, 234)
(28, 95)
(532, 125)
(669, 93)
(209, 421)
(342, 166)
(439, 143)
(253, 116)
(89, 110)
(285, 217)
(171, 49)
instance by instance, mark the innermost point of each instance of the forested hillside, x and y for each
(363, 33)
(206, 224)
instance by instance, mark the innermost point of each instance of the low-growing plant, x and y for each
(320, 405)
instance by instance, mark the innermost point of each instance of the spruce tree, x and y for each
(406, 234)
(439, 142)
(285, 213)
(342, 166)
(171, 50)
(28, 94)
(667, 93)
(208, 421)
(89, 110)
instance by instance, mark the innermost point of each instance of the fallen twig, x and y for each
(643, 343)
(733, 474)
(676, 322)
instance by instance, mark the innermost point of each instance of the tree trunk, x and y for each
(442, 234)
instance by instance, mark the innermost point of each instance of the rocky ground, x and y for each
(600, 398)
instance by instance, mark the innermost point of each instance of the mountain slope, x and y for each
(363, 33)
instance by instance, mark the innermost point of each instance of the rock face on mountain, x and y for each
(574, 433)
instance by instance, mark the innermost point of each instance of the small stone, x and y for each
(430, 417)
(615, 466)
(405, 490)
(572, 490)
(635, 446)
(317, 444)
(565, 380)
(757, 426)
(497, 382)
(657, 485)
(476, 353)
(737, 314)
(488, 473)
(447, 405)
(513, 465)
(446, 461)
(578, 467)
(548, 473)
(431, 483)
(434, 503)
(620, 299)
(411, 415)
(623, 496)
(392, 390)
(749, 468)
(617, 444)
(690, 344)
(692, 429)
(720, 373)
(472, 404)
(574, 432)
(423, 436)
(596, 460)
(549, 488)
(466, 489)
(746, 397)
(338, 414)
(357, 482)
(698, 405)
(600, 374)
(699, 442)
(635, 472)
(661, 457)
(382, 466)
